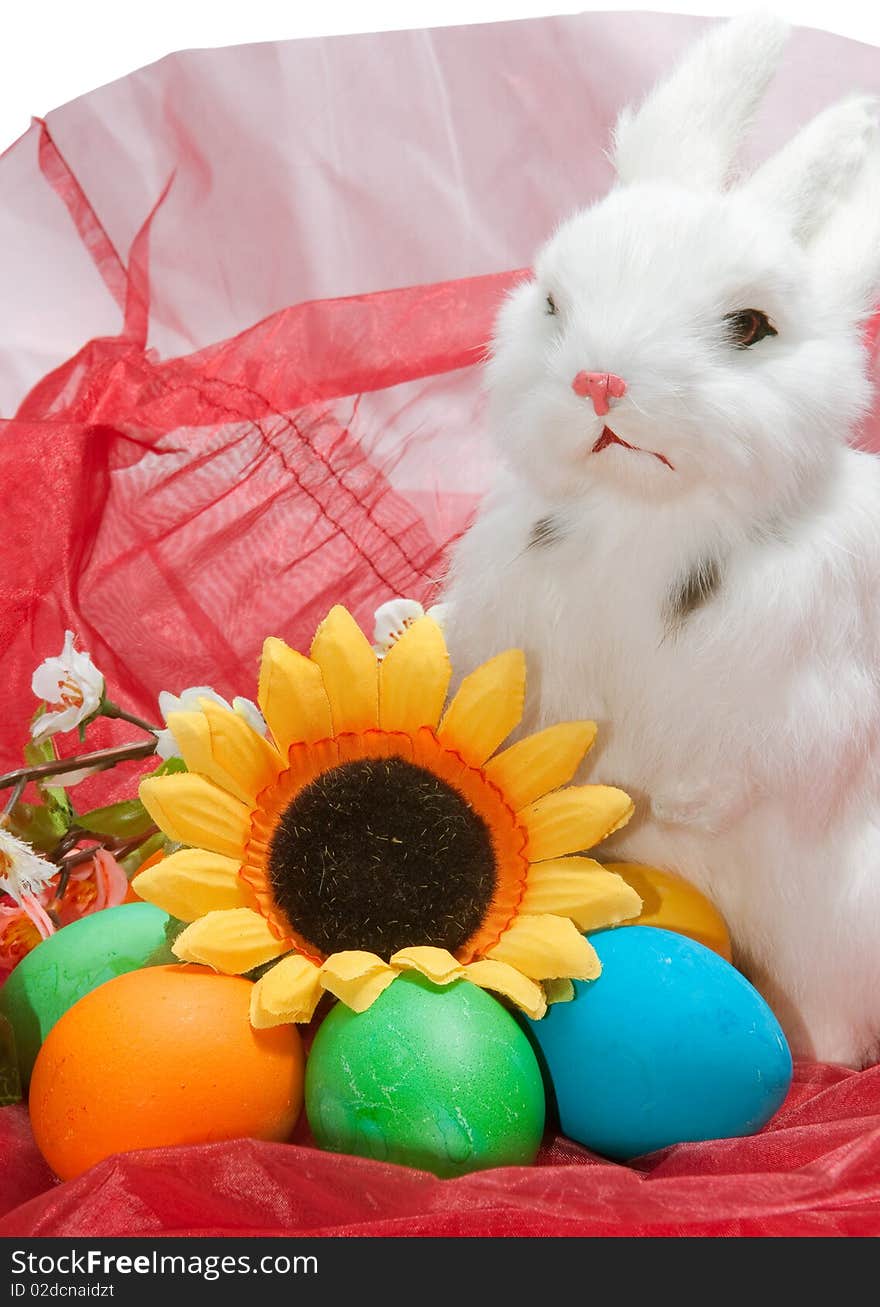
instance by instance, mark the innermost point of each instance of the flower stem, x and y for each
(73, 860)
(123, 849)
(13, 799)
(67, 842)
(111, 709)
(67, 855)
(99, 760)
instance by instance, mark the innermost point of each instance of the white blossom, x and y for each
(72, 688)
(188, 701)
(22, 870)
(396, 616)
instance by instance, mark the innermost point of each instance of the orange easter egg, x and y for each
(161, 1056)
(672, 903)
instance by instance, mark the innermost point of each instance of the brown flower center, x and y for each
(381, 854)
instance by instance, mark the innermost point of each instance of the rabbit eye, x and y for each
(748, 327)
(551, 306)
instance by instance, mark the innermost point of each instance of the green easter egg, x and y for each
(71, 963)
(439, 1078)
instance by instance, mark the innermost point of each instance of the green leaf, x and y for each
(59, 807)
(35, 751)
(126, 819)
(37, 825)
(133, 862)
(58, 804)
(163, 955)
(169, 767)
(10, 1080)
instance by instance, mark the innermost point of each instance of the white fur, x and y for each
(749, 733)
(690, 125)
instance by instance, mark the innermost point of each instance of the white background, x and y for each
(54, 50)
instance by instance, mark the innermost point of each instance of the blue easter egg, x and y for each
(670, 1043)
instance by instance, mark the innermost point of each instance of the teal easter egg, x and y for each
(71, 963)
(669, 1044)
(439, 1078)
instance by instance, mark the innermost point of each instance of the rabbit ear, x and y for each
(846, 251)
(811, 176)
(690, 126)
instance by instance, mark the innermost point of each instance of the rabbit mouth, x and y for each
(608, 437)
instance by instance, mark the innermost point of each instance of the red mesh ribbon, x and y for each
(815, 1171)
(175, 513)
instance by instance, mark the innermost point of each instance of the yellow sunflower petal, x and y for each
(356, 977)
(191, 882)
(290, 991)
(292, 697)
(248, 763)
(506, 980)
(572, 819)
(350, 671)
(193, 736)
(546, 947)
(434, 963)
(232, 942)
(193, 810)
(559, 990)
(413, 678)
(487, 707)
(540, 763)
(581, 889)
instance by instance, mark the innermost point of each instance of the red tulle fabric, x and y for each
(178, 512)
(269, 403)
(815, 1171)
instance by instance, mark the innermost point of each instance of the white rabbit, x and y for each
(702, 574)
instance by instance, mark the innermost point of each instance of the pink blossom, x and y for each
(22, 927)
(100, 882)
(93, 885)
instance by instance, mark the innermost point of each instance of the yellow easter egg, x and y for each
(673, 903)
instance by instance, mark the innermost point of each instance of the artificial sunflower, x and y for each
(378, 831)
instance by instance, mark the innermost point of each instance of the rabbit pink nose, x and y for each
(597, 386)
